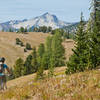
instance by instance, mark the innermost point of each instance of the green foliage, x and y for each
(10, 30)
(41, 61)
(39, 74)
(78, 61)
(25, 50)
(31, 64)
(34, 62)
(18, 41)
(21, 44)
(95, 41)
(11, 76)
(35, 29)
(25, 30)
(28, 65)
(21, 30)
(30, 29)
(18, 68)
(28, 46)
(41, 50)
(58, 50)
(49, 29)
(47, 56)
(48, 52)
(43, 29)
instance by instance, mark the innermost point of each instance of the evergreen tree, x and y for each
(78, 61)
(28, 65)
(18, 41)
(18, 67)
(41, 50)
(40, 53)
(39, 74)
(10, 30)
(25, 29)
(28, 46)
(22, 30)
(95, 41)
(41, 62)
(35, 29)
(30, 29)
(48, 52)
(49, 29)
(58, 50)
(34, 62)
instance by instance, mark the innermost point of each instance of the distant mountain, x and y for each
(71, 28)
(46, 19)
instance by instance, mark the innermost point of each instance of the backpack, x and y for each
(1, 68)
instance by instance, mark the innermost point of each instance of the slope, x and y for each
(11, 51)
(79, 86)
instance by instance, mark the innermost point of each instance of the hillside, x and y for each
(79, 86)
(11, 51)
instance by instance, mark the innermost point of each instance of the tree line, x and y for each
(48, 56)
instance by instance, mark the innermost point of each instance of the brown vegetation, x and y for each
(11, 51)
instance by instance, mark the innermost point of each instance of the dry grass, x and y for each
(79, 86)
(8, 46)
(69, 45)
(9, 49)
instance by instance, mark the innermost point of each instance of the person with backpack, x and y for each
(3, 66)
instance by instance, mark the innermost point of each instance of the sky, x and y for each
(66, 10)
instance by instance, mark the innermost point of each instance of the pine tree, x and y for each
(22, 30)
(25, 29)
(28, 65)
(41, 50)
(18, 67)
(40, 53)
(95, 41)
(58, 50)
(28, 46)
(78, 61)
(48, 52)
(34, 62)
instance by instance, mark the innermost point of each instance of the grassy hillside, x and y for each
(11, 51)
(79, 86)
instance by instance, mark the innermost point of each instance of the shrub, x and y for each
(28, 46)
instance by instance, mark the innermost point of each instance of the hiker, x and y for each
(3, 66)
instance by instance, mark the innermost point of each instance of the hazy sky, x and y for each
(66, 10)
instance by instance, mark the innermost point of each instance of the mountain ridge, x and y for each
(46, 19)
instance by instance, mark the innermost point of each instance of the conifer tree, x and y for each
(58, 50)
(48, 52)
(40, 53)
(95, 41)
(34, 62)
(28, 46)
(28, 65)
(78, 61)
(41, 50)
(18, 68)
